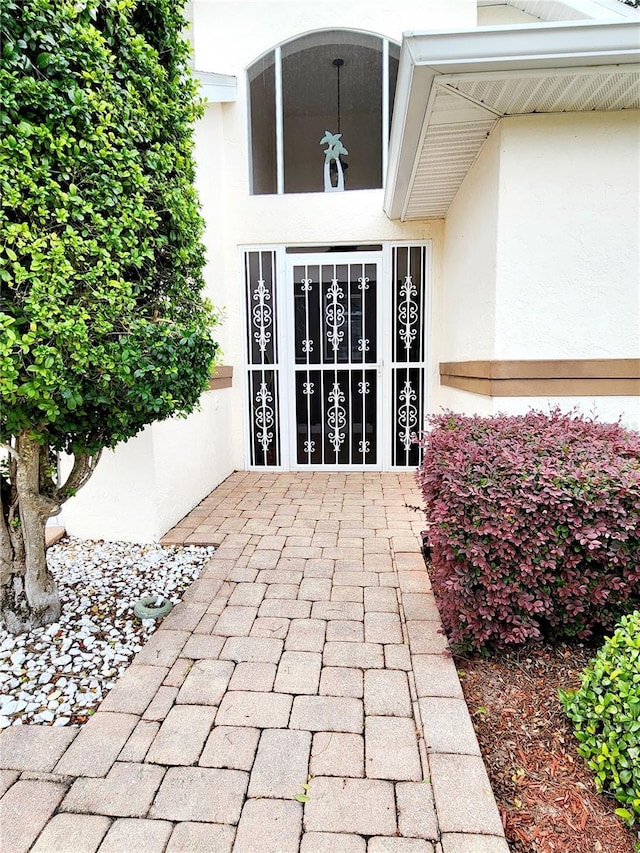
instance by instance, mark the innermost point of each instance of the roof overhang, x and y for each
(453, 88)
(217, 88)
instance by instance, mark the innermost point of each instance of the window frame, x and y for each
(279, 113)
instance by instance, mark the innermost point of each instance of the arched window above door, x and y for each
(336, 82)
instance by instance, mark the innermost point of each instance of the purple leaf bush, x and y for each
(533, 524)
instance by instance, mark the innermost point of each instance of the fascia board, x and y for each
(426, 56)
(530, 46)
(413, 90)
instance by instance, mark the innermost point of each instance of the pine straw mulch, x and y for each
(544, 790)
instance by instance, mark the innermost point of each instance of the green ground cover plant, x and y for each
(605, 712)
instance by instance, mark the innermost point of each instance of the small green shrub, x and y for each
(605, 713)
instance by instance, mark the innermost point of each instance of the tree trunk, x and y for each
(29, 594)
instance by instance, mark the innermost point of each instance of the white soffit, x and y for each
(454, 87)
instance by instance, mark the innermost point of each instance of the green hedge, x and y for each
(605, 713)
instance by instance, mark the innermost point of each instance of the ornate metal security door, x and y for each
(337, 362)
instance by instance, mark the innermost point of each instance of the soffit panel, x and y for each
(462, 101)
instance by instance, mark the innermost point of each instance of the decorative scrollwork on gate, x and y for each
(336, 417)
(407, 414)
(306, 284)
(408, 312)
(334, 315)
(264, 416)
(262, 316)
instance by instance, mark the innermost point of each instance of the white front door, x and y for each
(335, 351)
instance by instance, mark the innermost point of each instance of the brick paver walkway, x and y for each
(300, 698)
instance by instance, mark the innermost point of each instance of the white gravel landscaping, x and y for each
(59, 674)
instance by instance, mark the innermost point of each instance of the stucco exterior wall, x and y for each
(568, 283)
(143, 487)
(464, 298)
(541, 255)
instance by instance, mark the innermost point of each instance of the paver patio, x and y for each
(300, 698)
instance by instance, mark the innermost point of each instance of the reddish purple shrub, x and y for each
(534, 525)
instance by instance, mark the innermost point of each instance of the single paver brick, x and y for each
(266, 649)
(361, 655)
(454, 842)
(411, 582)
(298, 672)
(229, 747)
(345, 631)
(332, 842)
(161, 703)
(185, 616)
(327, 713)
(436, 675)
(182, 735)
(382, 844)
(337, 754)
(377, 599)
(206, 683)
(347, 593)
(271, 576)
(386, 693)
(391, 749)
(253, 676)
(419, 606)
(282, 590)
(463, 795)
(319, 568)
(416, 810)
(306, 635)
(270, 626)
(269, 826)
(97, 745)
(360, 806)
(247, 595)
(407, 561)
(162, 648)
(26, 808)
(397, 656)
(200, 837)
(427, 637)
(126, 791)
(259, 710)
(35, 748)
(348, 578)
(330, 610)
(200, 646)
(282, 764)
(341, 681)
(200, 794)
(143, 836)
(135, 689)
(382, 627)
(315, 589)
(285, 608)
(447, 726)
(235, 621)
(139, 741)
(7, 778)
(179, 670)
(72, 833)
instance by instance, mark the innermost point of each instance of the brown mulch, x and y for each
(544, 790)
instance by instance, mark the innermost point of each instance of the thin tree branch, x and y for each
(10, 450)
(84, 465)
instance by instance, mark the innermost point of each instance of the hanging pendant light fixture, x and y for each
(334, 166)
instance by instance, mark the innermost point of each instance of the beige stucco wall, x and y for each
(542, 256)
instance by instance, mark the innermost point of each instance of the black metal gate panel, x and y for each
(336, 363)
(408, 351)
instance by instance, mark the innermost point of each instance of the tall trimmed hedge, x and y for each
(534, 525)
